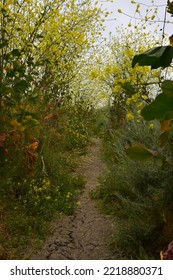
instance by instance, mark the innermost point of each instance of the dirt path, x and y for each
(84, 235)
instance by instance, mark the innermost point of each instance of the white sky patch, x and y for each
(117, 19)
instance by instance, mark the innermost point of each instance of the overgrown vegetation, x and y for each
(57, 89)
(34, 190)
(138, 193)
(138, 186)
(43, 126)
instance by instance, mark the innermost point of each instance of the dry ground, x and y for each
(85, 234)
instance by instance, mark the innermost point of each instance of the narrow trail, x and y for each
(84, 235)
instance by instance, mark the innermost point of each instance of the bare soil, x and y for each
(85, 234)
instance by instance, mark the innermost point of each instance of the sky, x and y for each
(116, 19)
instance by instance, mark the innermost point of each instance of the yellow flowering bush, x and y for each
(42, 196)
(128, 87)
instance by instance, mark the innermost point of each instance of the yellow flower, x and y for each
(135, 97)
(78, 203)
(139, 105)
(129, 53)
(117, 89)
(151, 125)
(46, 183)
(145, 97)
(94, 74)
(128, 102)
(129, 117)
(68, 195)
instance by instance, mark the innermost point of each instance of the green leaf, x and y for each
(30, 60)
(167, 88)
(16, 96)
(16, 52)
(18, 67)
(4, 44)
(33, 99)
(129, 89)
(5, 90)
(161, 108)
(140, 152)
(10, 74)
(4, 12)
(21, 86)
(10, 102)
(155, 57)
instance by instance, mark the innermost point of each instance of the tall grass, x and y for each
(139, 194)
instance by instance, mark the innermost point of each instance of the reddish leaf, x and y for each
(165, 125)
(34, 145)
(51, 117)
(168, 254)
(155, 198)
